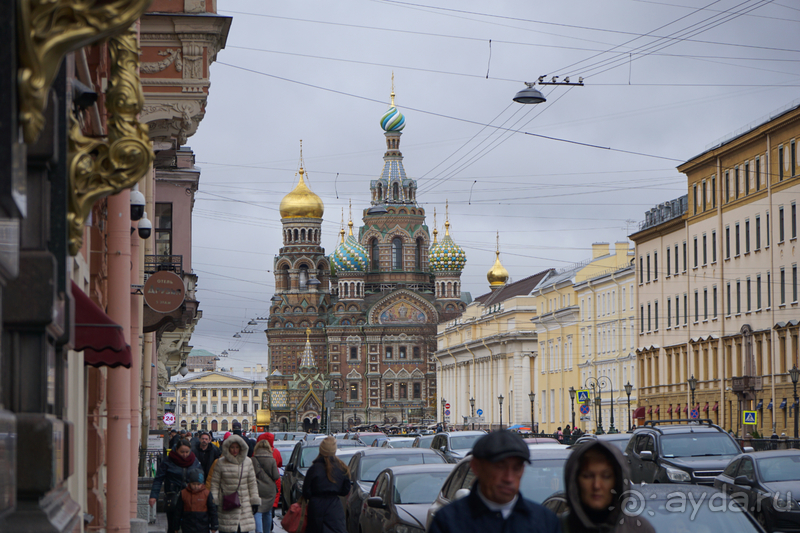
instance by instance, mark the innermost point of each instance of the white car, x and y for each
(398, 442)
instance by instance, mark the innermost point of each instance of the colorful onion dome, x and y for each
(393, 120)
(497, 275)
(302, 202)
(447, 256)
(350, 256)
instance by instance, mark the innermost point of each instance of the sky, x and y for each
(663, 81)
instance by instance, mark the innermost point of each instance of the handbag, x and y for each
(294, 521)
(231, 501)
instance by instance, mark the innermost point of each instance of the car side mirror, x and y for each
(289, 468)
(742, 480)
(443, 448)
(748, 449)
(460, 493)
(646, 455)
(375, 502)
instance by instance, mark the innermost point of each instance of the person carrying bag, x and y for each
(233, 484)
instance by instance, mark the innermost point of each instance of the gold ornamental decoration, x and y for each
(49, 29)
(100, 168)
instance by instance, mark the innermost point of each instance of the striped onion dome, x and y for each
(393, 120)
(447, 256)
(350, 256)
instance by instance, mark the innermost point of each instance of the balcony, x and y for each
(157, 263)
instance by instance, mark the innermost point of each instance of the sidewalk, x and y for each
(160, 525)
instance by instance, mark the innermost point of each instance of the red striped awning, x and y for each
(669, 411)
(639, 412)
(685, 408)
(99, 338)
(658, 408)
(716, 406)
(705, 408)
(650, 410)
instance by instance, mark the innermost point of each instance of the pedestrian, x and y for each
(276, 454)
(237, 430)
(326, 480)
(596, 480)
(206, 453)
(233, 473)
(196, 511)
(495, 502)
(266, 477)
(172, 474)
(195, 440)
(174, 438)
(559, 434)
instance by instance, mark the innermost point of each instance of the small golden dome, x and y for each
(497, 275)
(302, 202)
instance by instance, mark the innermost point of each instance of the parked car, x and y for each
(286, 447)
(454, 446)
(398, 442)
(423, 441)
(378, 441)
(289, 435)
(365, 466)
(671, 507)
(620, 440)
(768, 485)
(367, 438)
(297, 465)
(541, 440)
(400, 498)
(681, 453)
(542, 477)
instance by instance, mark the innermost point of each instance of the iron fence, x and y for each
(148, 462)
(761, 445)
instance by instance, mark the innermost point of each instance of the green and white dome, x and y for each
(447, 256)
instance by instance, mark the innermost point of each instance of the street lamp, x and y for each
(795, 375)
(628, 390)
(472, 406)
(500, 399)
(529, 95)
(692, 387)
(532, 397)
(444, 402)
(598, 402)
(572, 401)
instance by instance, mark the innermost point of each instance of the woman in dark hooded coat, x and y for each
(172, 473)
(326, 480)
(597, 482)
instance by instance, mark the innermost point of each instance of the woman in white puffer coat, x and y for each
(232, 466)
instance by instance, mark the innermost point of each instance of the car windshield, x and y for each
(619, 443)
(676, 514)
(372, 465)
(698, 445)
(464, 443)
(422, 487)
(368, 439)
(425, 442)
(542, 478)
(785, 468)
(401, 443)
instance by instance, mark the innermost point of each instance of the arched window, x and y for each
(296, 235)
(397, 252)
(396, 191)
(303, 277)
(374, 255)
(344, 286)
(380, 192)
(418, 254)
(302, 235)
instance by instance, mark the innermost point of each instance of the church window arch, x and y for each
(353, 308)
(296, 234)
(311, 309)
(374, 254)
(303, 277)
(401, 212)
(289, 325)
(298, 309)
(303, 235)
(380, 191)
(345, 322)
(346, 291)
(418, 254)
(397, 253)
(396, 191)
(320, 324)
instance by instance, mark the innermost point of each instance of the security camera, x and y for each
(137, 204)
(145, 227)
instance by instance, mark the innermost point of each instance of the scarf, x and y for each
(180, 461)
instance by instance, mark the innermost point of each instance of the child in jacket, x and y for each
(196, 511)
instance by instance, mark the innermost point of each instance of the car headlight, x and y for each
(403, 528)
(678, 476)
(783, 504)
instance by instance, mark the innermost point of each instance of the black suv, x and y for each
(694, 453)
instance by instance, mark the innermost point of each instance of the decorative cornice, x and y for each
(100, 168)
(49, 29)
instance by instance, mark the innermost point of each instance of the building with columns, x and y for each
(717, 288)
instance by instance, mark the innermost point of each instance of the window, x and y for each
(655, 315)
(729, 298)
(705, 250)
(714, 246)
(204, 408)
(758, 174)
(727, 187)
(183, 393)
(794, 220)
(374, 255)
(397, 251)
(205, 393)
(705, 199)
(418, 255)
(758, 232)
(194, 394)
(696, 306)
(655, 266)
(758, 291)
(235, 393)
(714, 297)
(224, 407)
(685, 260)
(416, 352)
(669, 313)
(783, 286)
(163, 229)
(402, 352)
(768, 228)
(183, 409)
(695, 253)
(668, 266)
(648, 268)
(780, 163)
(780, 224)
(738, 297)
(244, 408)
(737, 239)
(685, 309)
(417, 391)
(354, 352)
(649, 323)
(714, 191)
(641, 319)
(696, 199)
(677, 311)
(389, 391)
(747, 236)
(641, 269)
(194, 408)
(794, 283)
(746, 178)
(736, 182)
(793, 157)
(727, 242)
(214, 393)
(705, 304)
(403, 391)
(388, 352)
(676, 259)
(769, 289)
(353, 391)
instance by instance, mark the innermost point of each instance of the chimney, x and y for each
(599, 249)
(621, 248)
(259, 368)
(247, 370)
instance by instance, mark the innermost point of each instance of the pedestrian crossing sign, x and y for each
(583, 396)
(750, 417)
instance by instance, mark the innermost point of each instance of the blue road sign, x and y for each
(480, 412)
(750, 417)
(583, 396)
(694, 413)
(584, 409)
(447, 412)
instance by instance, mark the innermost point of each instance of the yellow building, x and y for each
(717, 283)
(581, 318)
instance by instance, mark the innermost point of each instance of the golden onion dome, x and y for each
(497, 275)
(302, 202)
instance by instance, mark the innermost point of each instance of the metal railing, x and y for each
(761, 445)
(148, 462)
(156, 263)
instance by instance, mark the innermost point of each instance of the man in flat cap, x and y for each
(494, 502)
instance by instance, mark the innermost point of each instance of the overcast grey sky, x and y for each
(664, 80)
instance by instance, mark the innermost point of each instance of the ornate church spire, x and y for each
(497, 275)
(308, 356)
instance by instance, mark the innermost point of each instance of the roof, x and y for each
(510, 290)
(421, 469)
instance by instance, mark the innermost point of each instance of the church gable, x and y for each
(402, 307)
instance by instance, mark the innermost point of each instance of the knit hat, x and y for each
(227, 434)
(327, 447)
(263, 436)
(195, 475)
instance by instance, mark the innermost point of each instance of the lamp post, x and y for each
(598, 402)
(472, 406)
(794, 373)
(692, 387)
(444, 402)
(532, 397)
(500, 399)
(628, 390)
(572, 401)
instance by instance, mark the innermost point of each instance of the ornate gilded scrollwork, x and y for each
(51, 28)
(99, 168)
